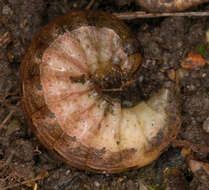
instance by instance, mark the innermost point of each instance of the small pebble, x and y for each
(171, 74)
(7, 10)
(68, 172)
(204, 75)
(96, 184)
(206, 125)
(191, 87)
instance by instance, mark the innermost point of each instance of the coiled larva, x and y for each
(73, 79)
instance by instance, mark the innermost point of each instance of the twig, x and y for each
(141, 14)
(9, 116)
(41, 176)
(5, 39)
(193, 147)
(90, 4)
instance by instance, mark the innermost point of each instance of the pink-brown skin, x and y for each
(71, 117)
(169, 5)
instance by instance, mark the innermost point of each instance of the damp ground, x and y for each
(164, 42)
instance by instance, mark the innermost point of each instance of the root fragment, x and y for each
(187, 144)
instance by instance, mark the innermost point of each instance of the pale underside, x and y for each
(83, 114)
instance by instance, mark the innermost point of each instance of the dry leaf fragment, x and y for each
(193, 61)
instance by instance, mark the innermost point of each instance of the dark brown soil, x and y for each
(164, 43)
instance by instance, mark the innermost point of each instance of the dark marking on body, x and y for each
(80, 79)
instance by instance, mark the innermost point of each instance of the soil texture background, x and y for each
(165, 43)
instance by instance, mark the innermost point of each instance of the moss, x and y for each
(202, 50)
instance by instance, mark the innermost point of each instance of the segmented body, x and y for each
(72, 117)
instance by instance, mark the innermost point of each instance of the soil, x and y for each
(165, 42)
